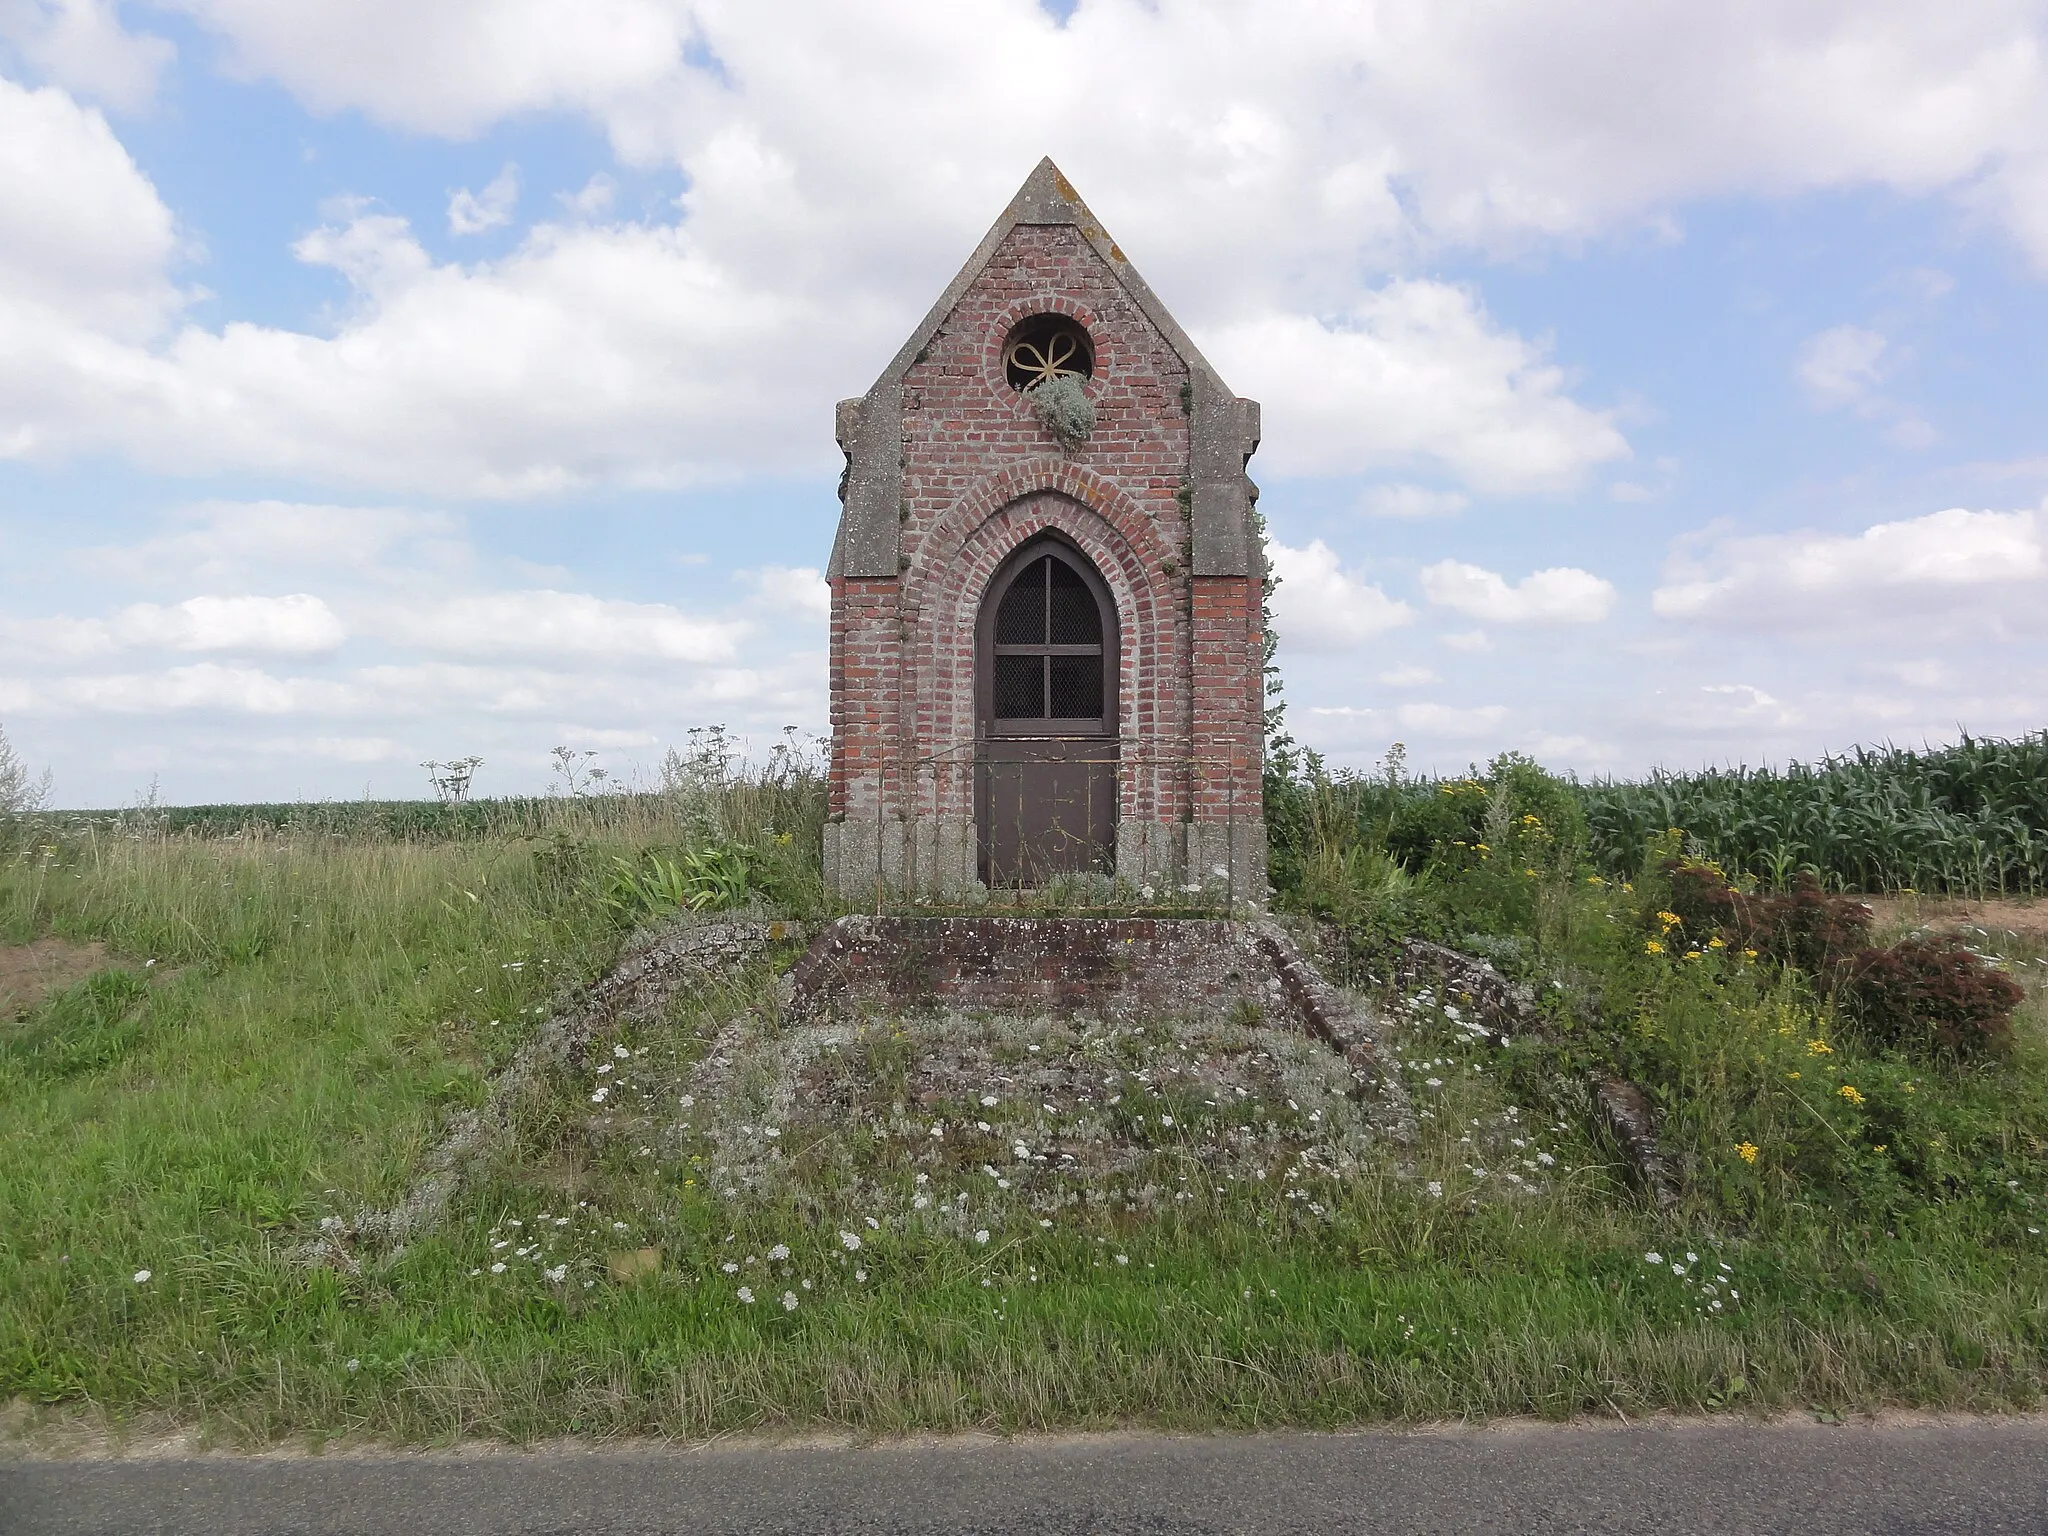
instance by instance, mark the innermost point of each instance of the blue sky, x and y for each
(382, 382)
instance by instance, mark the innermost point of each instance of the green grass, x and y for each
(319, 1004)
(1964, 820)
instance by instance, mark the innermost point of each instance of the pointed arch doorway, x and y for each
(1046, 648)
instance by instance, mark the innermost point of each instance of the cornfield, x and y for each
(1971, 819)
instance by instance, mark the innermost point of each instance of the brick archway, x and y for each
(945, 593)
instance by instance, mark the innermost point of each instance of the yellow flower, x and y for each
(1879, 1147)
(1528, 871)
(1749, 954)
(1791, 1074)
(1910, 1088)
(1849, 1092)
(1669, 919)
(1594, 880)
(1626, 886)
(1819, 1048)
(1532, 821)
(1717, 942)
(1651, 946)
(1746, 1151)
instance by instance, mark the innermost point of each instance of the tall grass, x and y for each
(1970, 819)
(1966, 820)
(324, 995)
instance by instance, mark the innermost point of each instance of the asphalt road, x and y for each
(1983, 1477)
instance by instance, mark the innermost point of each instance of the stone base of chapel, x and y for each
(893, 859)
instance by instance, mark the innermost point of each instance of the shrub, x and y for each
(1064, 409)
(1932, 995)
(1804, 927)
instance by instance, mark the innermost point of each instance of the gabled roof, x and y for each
(1047, 197)
(1223, 430)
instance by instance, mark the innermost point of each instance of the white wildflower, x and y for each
(981, 1236)
(789, 1301)
(778, 1253)
(1653, 1258)
(621, 1052)
(558, 1274)
(729, 1267)
(746, 1295)
(142, 1276)
(498, 1268)
(850, 1241)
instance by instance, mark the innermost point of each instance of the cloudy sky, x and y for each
(382, 381)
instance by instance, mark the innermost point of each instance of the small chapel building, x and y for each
(1047, 652)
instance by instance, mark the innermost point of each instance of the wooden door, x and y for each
(1046, 777)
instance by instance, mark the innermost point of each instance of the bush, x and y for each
(1932, 995)
(1804, 927)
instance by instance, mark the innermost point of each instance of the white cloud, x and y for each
(594, 200)
(205, 686)
(85, 243)
(1791, 579)
(1416, 373)
(1255, 160)
(1842, 366)
(797, 591)
(1318, 607)
(563, 625)
(471, 213)
(1470, 642)
(81, 46)
(1560, 595)
(590, 355)
(1484, 122)
(1409, 501)
(298, 625)
(1451, 720)
(249, 542)
(1408, 677)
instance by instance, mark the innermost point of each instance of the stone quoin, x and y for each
(1047, 650)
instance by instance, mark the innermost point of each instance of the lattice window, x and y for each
(1049, 657)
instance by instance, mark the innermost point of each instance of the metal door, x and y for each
(1046, 745)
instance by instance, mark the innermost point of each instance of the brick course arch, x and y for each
(944, 589)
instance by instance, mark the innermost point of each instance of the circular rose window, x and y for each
(1044, 348)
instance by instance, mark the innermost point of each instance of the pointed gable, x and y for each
(1224, 430)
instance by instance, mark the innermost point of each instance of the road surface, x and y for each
(1982, 1477)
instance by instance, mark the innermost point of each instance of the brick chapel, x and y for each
(1047, 657)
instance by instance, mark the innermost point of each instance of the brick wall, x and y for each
(979, 477)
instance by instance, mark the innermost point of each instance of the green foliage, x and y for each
(1063, 408)
(333, 998)
(83, 1028)
(656, 884)
(1967, 819)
